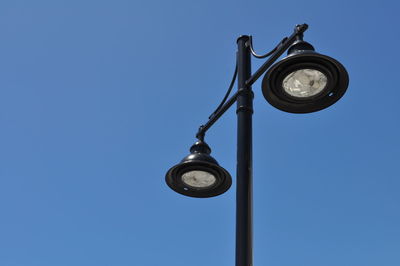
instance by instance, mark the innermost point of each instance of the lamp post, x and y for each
(302, 82)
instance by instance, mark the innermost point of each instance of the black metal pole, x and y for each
(244, 195)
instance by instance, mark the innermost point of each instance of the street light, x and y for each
(198, 174)
(302, 82)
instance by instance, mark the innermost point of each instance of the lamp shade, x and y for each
(199, 174)
(304, 81)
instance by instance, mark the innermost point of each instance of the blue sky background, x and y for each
(99, 98)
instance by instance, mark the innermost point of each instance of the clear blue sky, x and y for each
(99, 98)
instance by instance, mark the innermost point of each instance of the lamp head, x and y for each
(304, 81)
(199, 174)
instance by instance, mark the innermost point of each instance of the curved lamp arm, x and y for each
(298, 31)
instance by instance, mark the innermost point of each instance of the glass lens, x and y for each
(198, 179)
(304, 83)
